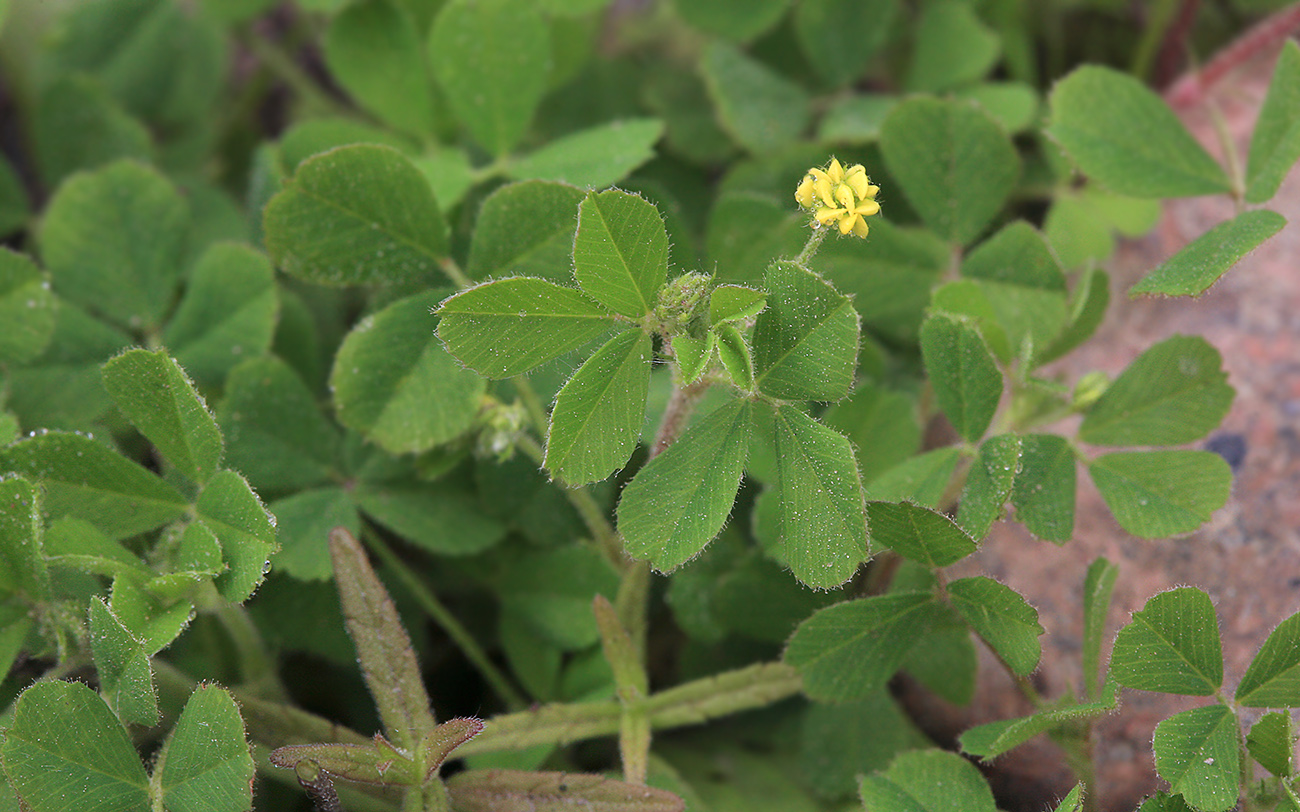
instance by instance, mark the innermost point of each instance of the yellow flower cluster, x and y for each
(839, 195)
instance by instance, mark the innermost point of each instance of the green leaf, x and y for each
(394, 383)
(526, 229)
(967, 381)
(954, 163)
(855, 119)
(1124, 136)
(302, 524)
(882, 425)
(1087, 309)
(989, 483)
(944, 661)
(620, 253)
(806, 339)
(313, 137)
(85, 479)
(736, 20)
(228, 312)
(1000, 616)
(23, 567)
(383, 647)
(1044, 490)
(693, 354)
(14, 207)
(595, 157)
(66, 750)
(680, 500)
(490, 790)
(374, 51)
(1273, 678)
(1176, 392)
(921, 479)
(1155, 494)
(848, 651)
(449, 173)
(492, 57)
(735, 303)
(841, 742)
(988, 741)
(233, 512)
(1014, 105)
(112, 241)
(1171, 645)
(735, 355)
(760, 109)
(953, 48)
(505, 328)
(153, 621)
(376, 763)
(1164, 802)
(839, 37)
(758, 600)
(159, 399)
(1271, 742)
(823, 519)
(1073, 800)
(1199, 265)
(551, 591)
(438, 518)
(1275, 141)
(1097, 587)
(918, 533)
(206, 765)
(125, 676)
(77, 125)
(26, 309)
(1196, 752)
(79, 544)
(927, 781)
(598, 414)
(357, 215)
(747, 231)
(275, 432)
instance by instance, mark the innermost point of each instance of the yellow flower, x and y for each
(839, 195)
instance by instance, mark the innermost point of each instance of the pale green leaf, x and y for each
(1197, 753)
(356, 215)
(1013, 104)
(882, 425)
(620, 253)
(1155, 494)
(1171, 645)
(598, 414)
(990, 740)
(922, 479)
(1275, 141)
(693, 354)
(1124, 136)
(848, 651)
(680, 500)
(593, 158)
(373, 50)
(27, 308)
(78, 543)
(206, 764)
(1073, 800)
(839, 37)
(967, 381)
(918, 533)
(1176, 392)
(759, 108)
(1273, 678)
(927, 781)
(1000, 616)
(77, 125)
(1087, 308)
(734, 353)
(952, 48)
(736, 20)
(1199, 265)
(733, 303)
(806, 339)
(22, 564)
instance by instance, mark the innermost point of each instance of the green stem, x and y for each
(818, 234)
(681, 405)
(454, 273)
(532, 404)
(445, 620)
(255, 663)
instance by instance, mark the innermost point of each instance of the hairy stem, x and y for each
(818, 234)
(681, 405)
(446, 621)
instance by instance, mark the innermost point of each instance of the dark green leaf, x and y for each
(1073, 800)
(302, 524)
(206, 765)
(989, 484)
(843, 741)
(77, 125)
(760, 109)
(85, 479)
(593, 158)
(492, 57)
(551, 591)
(526, 229)
(1273, 678)
(1023, 284)
(159, 399)
(598, 414)
(1097, 587)
(735, 20)
(125, 677)
(1271, 742)
(228, 312)
(1172, 645)
(1087, 309)
(620, 253)
(153, 621)
(944, 661)
(882, 425)
(14, 207)
(918, 533)
(1124, 136)
(505, 328)
(747, 231)
(373, 49)
(839, 37)
(1164, 802)
(1155, 494)
(806, 339)
(357, 215)
(376, 763)
(1197, 753)
(310, 138)
(1000, 616)
(953, 48)
(988, 741)
(1044, 490)
(680, 500)
(855, 119)
(65, 750)
(967, 381)
(1199, 265)
(23, 569)
(954, 163)
(848, 651)
(26, 309)
(1174, 393)
(234, 513)
(383, 648)
(440, 519)
(927, 781)
(1275, 141)
(112, 241)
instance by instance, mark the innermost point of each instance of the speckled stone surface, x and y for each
(1247, 558)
